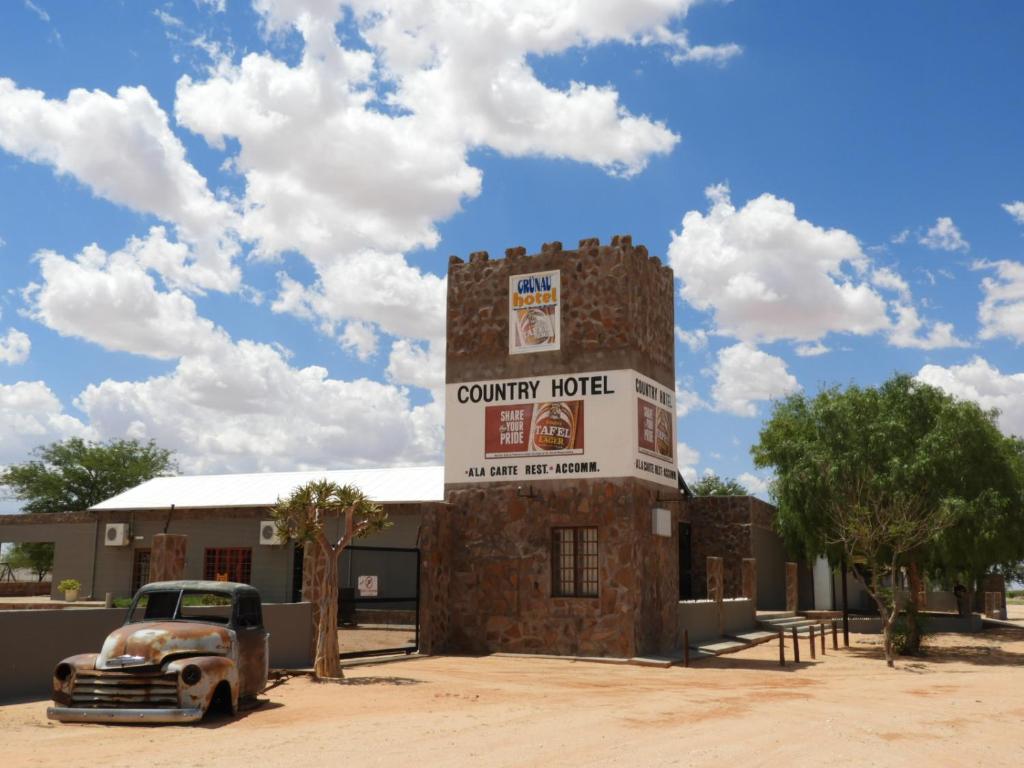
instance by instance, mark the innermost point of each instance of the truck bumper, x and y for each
(123, 715)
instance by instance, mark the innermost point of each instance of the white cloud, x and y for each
(14, 347)
(38, 11)
(758, 486)
(768, 275)
(167, 19)
(686, 401)
(360, 338)
(900, 238)
(214, 6)
(812, 350)
(123, 149)
(905, 332)
(984, 384)
(1001, 311)
(686, 459)
(31, 415)
(695, 340)
(352, 155)
(745, 375)
(888, 280)
(110, 299)
(1016, 210)
(944, 236)
(418, 366)
(244, 408)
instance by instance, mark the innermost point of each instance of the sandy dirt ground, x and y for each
(360, 639)
(960, 706)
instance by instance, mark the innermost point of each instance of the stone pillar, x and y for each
(792, 590)
(167, 557)
(749, 579)
(715, 590)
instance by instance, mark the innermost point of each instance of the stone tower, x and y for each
(560, 467)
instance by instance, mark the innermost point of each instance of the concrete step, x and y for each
(755, 637)
(771, 615)
(720, 646)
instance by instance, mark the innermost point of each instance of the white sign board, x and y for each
(367, 586)
(534, 312)
(586, 425)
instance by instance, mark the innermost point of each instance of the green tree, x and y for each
(72, 476)
(713, 485)
(36, 557)
(886, 477)
(305, 516)
(75, 474)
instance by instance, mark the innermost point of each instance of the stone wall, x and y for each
(722, 526)
(436, 545)
(617, 310)
(501, 580)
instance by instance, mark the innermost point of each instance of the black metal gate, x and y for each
(378, 601)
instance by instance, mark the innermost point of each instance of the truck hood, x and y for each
(136, 645)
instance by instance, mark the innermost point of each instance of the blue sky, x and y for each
(232, 239)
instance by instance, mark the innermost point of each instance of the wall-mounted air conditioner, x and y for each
(268, 533)
(117, 535)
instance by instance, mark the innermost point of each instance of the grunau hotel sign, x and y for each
(597, 424)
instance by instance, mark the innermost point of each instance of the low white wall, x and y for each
(700, 618)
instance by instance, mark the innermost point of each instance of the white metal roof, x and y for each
(392, 485)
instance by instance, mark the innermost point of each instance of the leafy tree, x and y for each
(304, 516)
(887, 477)
(75, 474)
(37, 557)
(72, 476)
(713, 485)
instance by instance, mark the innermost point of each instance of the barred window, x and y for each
(140, 568)
(228, 564)
(574, 562)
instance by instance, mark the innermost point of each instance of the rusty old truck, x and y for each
(186, 647)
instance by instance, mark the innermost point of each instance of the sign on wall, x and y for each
(534, 312)
(595, 424)
(366, 586)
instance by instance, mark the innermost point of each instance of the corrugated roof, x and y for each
(392, 485)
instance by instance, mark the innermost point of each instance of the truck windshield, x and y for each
(174, 605)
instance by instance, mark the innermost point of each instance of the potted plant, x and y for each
(70, 589)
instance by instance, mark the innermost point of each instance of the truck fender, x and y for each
(215, 670)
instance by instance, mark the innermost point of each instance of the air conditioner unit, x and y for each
(117, 535)
(268, 533)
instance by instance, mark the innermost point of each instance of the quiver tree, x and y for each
(306, 516)
(886, 477)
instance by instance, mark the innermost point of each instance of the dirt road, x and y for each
(962, 705)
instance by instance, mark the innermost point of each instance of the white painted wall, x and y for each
(822, 572)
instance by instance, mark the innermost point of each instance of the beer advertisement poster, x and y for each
(534, 316)
(533, 429)
(654, 430)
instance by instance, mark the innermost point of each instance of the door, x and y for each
(685, 563)
(253, 646)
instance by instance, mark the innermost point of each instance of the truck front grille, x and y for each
(96, 688)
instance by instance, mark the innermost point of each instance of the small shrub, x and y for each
(69, 585)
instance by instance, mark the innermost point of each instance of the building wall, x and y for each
(79, 544)
(73, 541)
(617, 312)
(501, 579)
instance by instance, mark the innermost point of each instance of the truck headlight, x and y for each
(63, 671)
(191, 674)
